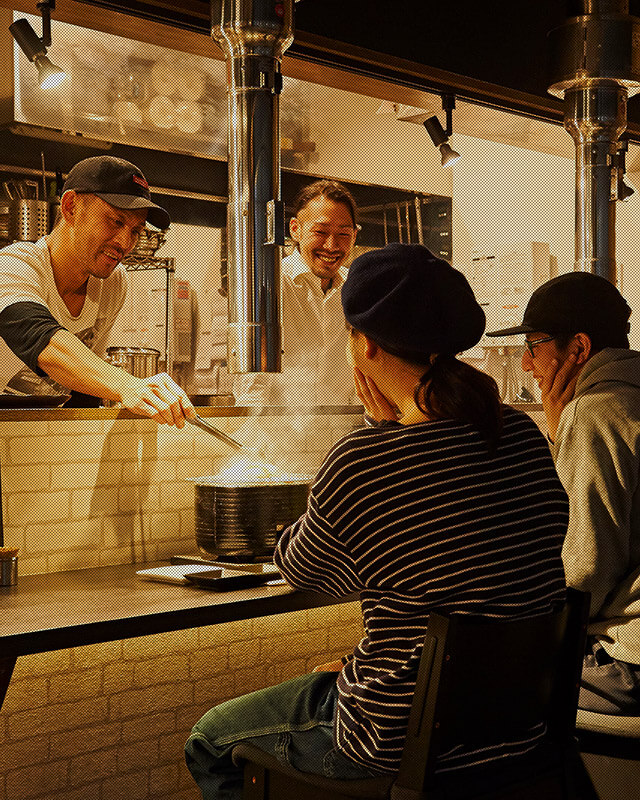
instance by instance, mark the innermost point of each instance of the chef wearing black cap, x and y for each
(450, 501)
(59, 296)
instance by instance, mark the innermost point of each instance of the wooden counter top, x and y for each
(51, 414)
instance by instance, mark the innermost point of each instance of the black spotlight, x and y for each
(440, 136)
(35, 48)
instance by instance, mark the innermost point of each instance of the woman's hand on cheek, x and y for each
(375, 403)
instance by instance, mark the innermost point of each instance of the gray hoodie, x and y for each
(597, 455)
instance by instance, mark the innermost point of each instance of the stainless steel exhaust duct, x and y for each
(253, 35)
(596, 58)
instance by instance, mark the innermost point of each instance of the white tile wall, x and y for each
(83, 493)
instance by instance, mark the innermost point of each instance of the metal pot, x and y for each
(141, 362)
(243, 521)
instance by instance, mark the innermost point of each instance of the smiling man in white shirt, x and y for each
(315, 370)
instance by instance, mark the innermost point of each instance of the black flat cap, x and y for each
(411, 303)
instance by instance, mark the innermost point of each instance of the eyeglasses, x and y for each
(531, 343)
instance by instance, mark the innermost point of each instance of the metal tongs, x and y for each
(254, 452)
(207, 426)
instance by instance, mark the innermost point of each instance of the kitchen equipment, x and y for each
(28, 219)
(596, 69)
(44, 176)
(242, 521)
(207, 426)
(148, 243)
(4, 222)
(8, 566)
(255, 453)
(253, 38)
(31, 190)
(10, 190)
(148, 317)
(141, 362)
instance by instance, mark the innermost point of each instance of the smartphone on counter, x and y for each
(230, 580)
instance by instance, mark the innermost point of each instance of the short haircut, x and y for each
(332, 190)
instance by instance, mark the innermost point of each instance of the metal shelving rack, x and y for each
(140, 263)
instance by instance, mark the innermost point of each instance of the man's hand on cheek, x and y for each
(558, 387)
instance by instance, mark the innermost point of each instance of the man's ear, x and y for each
(581, 346)
(69, 205)
(294, 229)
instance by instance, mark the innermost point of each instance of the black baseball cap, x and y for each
(577, 302)
(411, 303)
(119, 183)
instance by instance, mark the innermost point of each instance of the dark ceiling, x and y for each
(501, 43)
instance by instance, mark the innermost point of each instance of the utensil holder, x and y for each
(9, 571)
(28, 220)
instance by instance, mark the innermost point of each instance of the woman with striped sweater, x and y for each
(446, 500)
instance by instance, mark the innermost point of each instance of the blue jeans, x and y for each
(292, 721)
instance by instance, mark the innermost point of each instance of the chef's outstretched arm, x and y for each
(69, 362)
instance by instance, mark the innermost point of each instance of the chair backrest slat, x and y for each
(483, 681)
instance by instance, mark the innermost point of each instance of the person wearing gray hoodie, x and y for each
(577, 349)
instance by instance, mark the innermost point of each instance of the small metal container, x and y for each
(141, 362)
(28, 220)
(9, 571)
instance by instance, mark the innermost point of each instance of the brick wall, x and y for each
(108, 722)
(88, 493)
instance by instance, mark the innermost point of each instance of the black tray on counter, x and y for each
(229, 583)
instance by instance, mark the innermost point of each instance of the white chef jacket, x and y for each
(315, 370)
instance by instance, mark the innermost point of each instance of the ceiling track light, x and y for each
(440, 136)
(35, 47)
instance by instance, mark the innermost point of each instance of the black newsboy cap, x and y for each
(119, 183)
(411, 303)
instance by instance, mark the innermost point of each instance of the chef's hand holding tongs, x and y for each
(158, 397)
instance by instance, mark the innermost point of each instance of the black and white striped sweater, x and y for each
(419, 517)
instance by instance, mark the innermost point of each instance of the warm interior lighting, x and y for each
(35, 48)
(449, 155)
(49, 74)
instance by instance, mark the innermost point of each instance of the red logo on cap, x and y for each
(141, 181)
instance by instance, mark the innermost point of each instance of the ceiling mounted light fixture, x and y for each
(35, 48)
(440, 136)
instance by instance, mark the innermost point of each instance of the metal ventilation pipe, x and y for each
(596, 62)
(253, 35)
